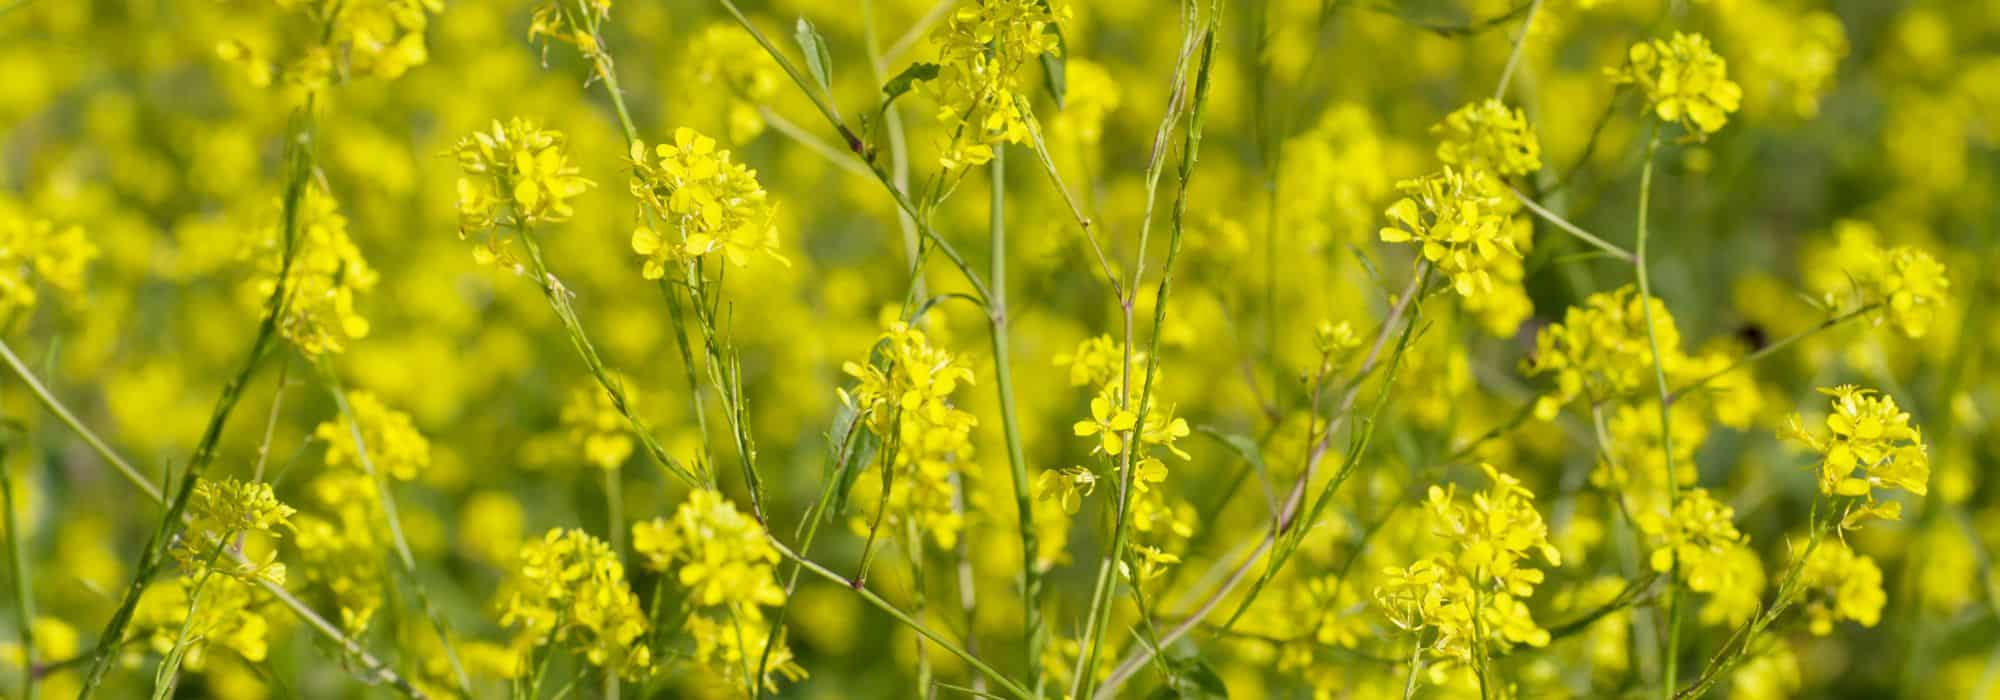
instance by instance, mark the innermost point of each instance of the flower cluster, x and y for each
(982, 48)
(221, 511)
(707, 203)
(221, 613)
(726, 57)
(725, 561)
(573, 23)
(1459, 221)
(1473, 597)
(1907, 283)
(1684, 81)
(327, 274)
(1841, 585)
(340, 546)
(35, 252)
(905, 399)
(1869, 445)
(569, 588)
(1488, 136)
(377, 38)
(1114, 428)
(514, 175)
(1600, 350)
(394, 445)
(1700, 536)
(593, 422)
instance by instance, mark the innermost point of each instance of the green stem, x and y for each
(1670, 654)
(24, 592)
(996, 316)
(1774, 347)
(299, 144)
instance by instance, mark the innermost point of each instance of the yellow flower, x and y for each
(1684, 81)
(1066, 486)
(36, 252)
(981, 50)
(708, 202)
(572, 584)
(515, 175)
(1600, 350)
(1488, 136)
(394, 445)
(221, 511)
(1842, 585)
(1457, 220)
(594, 423)
(1109, 423)
(1869, 445)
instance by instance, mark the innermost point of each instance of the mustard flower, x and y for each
(328, 274)
(907, 400)
(1097, 361)
(221, 511)
(707, 202)
(518, 174)
(1684, 82)
(569, 22)
(725, 561)
(1109, 423)
(571, 588)
(341, 547)
(1456, 220)
(982, 48)
(726, 60)
(1700, 535)
(394, 445)
(1869, 445)
(1907, 283)
(1488, 136)
(1148, 563)
(1066, 486)
(1841, 585)
(38, 253)
(1485, 576)
(229, 616)
(375, 38)
(1600, 350)
(593, 422)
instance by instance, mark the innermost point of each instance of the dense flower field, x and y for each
(999, 348)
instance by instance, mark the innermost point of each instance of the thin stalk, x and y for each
(1005, 683)
(559, 299)
(1294, 500)
(380, 671)
(386, 492)
(90, 438)
(24, 591)
(1572, 229)
(299, 147)
(996, 316)
(1670, 654)
(1416, 664)
(1767, 350)
(1514, 56)
(1178, 104)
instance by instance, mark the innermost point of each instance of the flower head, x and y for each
(518, 174)
(394, 445)
(981, 50)
(38, 253)
(1684, 81)
(708, 204)
(571, 585)
(1458, 220)
(1868, 445)
(594, 423)
(1488, 136)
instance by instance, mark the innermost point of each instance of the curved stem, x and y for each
(1670, 654)
(1572, 229)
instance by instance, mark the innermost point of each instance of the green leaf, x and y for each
(906, 80)
(817, 59)
(1192, 679)
(853, 447)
